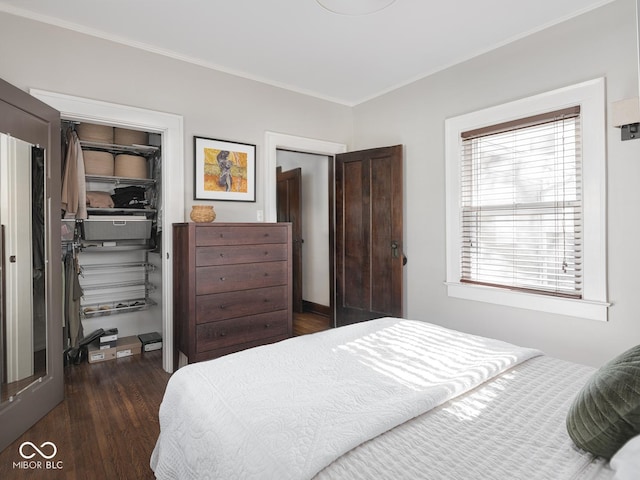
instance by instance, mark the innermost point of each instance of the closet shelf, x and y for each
(113, 148)
(121, 211)
(120, 180)
(90, 246)
(99, 268)
(104, 309)
(133, 283)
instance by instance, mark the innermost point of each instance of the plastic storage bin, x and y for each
(116, 228)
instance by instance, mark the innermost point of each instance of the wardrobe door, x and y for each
(31, 360)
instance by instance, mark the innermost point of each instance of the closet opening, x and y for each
(141, 265)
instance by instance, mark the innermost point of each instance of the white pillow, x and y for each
(626, 462)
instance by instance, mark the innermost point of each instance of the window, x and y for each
(525, 203)
(522, 205)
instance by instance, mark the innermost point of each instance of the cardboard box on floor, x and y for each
(125, 347)
(97, 354)
(128, 346)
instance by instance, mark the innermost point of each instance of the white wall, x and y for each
(213, 104)
(315, 222)
(599, 43)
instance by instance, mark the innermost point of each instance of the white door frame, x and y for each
(273, 141)
(170, 126)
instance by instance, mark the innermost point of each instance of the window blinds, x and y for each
(521, 204)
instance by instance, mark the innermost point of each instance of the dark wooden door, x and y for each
(289, 206)
(369, 243)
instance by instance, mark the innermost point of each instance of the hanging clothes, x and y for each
(73, 293)
(74, 188)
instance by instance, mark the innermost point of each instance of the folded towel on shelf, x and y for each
(99, 200)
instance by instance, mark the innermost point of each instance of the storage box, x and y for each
(116, 228)
(125, 136)
(110, 335)
(131, 166)
(98, 163)
(91, 132)
(96, 354)
(128, 346)
(151, 341)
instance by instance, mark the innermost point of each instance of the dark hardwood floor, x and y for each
(107, 425)
(304, 323)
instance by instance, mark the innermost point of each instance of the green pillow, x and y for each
(606, 412)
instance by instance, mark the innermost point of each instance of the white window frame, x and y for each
(590, 96)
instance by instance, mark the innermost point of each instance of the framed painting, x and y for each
(224, 170)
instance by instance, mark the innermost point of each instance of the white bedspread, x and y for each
(288, 410)
(512, 427)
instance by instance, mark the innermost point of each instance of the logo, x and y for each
(42, 453)
(31, 454)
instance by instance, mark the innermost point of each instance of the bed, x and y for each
(385, 399)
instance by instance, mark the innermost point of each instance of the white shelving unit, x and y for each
(114, 272)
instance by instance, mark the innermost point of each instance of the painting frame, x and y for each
(224, 170)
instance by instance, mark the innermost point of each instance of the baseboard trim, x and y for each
(316, 308)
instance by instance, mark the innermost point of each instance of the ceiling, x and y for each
(300, 46)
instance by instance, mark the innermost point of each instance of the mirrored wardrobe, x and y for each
(31, 364)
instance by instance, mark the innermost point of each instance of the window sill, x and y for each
(593, 310)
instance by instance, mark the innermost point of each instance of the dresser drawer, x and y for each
(228, 278)
(240, 235)
(222, 306)
(219, 352)
(226, 255)
(215, 335)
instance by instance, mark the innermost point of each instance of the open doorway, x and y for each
(303, 200)
(280, 141)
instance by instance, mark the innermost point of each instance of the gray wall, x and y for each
(213, 104)
(600, 43)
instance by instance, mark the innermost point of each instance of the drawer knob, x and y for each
(222, 279)
(223, 334)
(222, 307)
(267, 325)
(221, 255)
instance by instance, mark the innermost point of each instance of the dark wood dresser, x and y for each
(232, 286)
